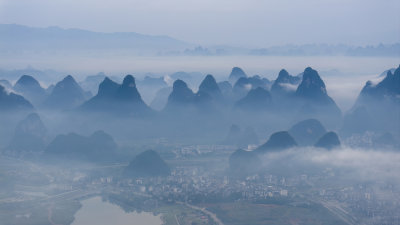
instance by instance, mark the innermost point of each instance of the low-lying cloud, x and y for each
(360, 165)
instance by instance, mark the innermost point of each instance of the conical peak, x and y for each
(209, 78)
(237, 70)
(278, 141)
(312, 85)
(67, 82)
(107, 87)
(209, 84)
(107, 83)
(309, 73)
(283, 73)
(308, 69)
(280, 135)
(329, 140)
(107, 80)
(179, 84)
(69, 78)
(129, 81)
(26, 79)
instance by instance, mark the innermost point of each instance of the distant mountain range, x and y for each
(306, 106)
(334, 50)
(249, 94)
(19, 39)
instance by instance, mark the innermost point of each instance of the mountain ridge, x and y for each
(23, 38)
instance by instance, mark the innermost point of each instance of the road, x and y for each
(205, 211)
(337, 210)
(177, 221)
(69, 195)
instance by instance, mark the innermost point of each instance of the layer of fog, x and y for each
(267, 66)
(355, 165)
(344, 76)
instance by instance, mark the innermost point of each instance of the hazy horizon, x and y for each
(189, 112)
(236, 23)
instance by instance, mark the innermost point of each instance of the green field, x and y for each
(177, 214)
(258, 214)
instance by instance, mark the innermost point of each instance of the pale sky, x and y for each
(246, 23)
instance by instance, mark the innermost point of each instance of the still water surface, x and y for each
(95, 211)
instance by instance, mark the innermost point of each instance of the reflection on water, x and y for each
(95, 211)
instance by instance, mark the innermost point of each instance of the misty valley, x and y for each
(193, 148)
